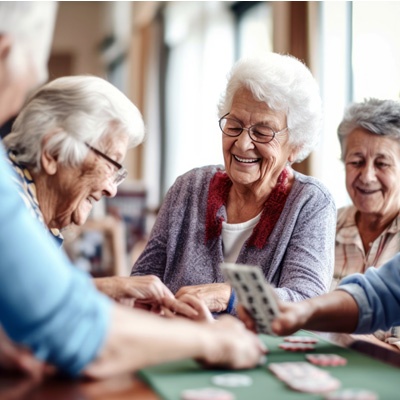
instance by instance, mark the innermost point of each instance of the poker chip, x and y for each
(313, 385)
(207, 393)
(301, 339)
(296, 346)
(326, 360)
(287, 371)
(352, 394)
(232, 380)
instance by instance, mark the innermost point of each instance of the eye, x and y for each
(381, 164)
(232, 127)
(355, 163)
(262, 131)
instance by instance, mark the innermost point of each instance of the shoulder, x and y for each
(346, 216)
(198, 176)
(311, 188)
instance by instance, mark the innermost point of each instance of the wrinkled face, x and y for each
(373, 172)
(80, 187)
(251, 164)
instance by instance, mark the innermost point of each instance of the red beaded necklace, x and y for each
(217, 197)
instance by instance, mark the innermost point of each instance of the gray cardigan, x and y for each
(297, 259)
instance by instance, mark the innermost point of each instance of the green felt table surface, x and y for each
(361, 371)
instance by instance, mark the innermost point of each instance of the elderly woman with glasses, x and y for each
(256, 209)
(66, 147)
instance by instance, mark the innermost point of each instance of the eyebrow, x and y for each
(269, 123)
(379, 155)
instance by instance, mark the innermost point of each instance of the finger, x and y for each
(200, 306)
(181, 308)
(167, 293)
(167, 313)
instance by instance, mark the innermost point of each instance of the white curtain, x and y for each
(200, 36)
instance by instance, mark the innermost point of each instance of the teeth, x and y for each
(246, 160)
(367, 191)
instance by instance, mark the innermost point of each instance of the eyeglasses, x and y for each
(120, 174)
(258, 133)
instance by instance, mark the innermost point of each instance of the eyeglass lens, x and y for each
(258, 133)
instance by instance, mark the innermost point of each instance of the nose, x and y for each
(367, 173)
(110, 188)
(244, 140)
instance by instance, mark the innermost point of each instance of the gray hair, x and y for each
(30, 24)
(75, 110)
(379, 117)
(283, 83)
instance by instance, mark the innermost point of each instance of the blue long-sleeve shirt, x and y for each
(45, 302)
(377, 293)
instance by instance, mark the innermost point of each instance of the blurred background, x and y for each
(172, 58)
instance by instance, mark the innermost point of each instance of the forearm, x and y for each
(138, 339)
(333, 312)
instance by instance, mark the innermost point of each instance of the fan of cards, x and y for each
(253, 293)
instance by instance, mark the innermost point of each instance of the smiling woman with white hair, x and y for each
(66, 146)
(255, 209)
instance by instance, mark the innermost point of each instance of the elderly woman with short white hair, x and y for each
(255, 209)
(67, 146)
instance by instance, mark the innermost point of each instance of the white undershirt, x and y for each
(234, 236)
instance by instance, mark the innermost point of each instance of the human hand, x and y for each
(291, 318)
(232, 345)
(19, 359)
(246, 318)
(140, 291)
(215, 295)
(188, 306)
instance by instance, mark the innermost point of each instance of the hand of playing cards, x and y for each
(256, 295)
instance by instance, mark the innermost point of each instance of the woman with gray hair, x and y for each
(256, 209)
(368, 231)
(66, 147)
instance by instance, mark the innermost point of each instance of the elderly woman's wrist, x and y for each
(231, 302)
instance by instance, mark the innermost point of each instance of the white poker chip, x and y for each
(301, 339)
(207, 393)
(352, 394)
(232, 380)
(313, 385)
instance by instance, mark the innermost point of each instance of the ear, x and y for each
(5, 46)
(48, 160)
(293, 155)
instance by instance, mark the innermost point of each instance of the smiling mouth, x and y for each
(367, 191)
(246, 160)
(91, 200)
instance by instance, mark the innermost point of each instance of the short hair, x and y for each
(379, 117)
(75, 109)
(30, 24)
(283, 83)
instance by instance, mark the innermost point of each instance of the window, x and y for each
(359, 58)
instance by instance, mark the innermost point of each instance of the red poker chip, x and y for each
(326, 360)
(301, 339)
(352, 394)
(207, 393)
(296, 346)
